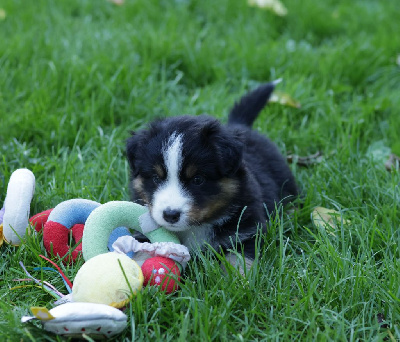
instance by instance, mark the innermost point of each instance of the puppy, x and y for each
(207, 182)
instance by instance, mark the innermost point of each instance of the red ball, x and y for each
(161, 272)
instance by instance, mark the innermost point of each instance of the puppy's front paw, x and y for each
(239, 262)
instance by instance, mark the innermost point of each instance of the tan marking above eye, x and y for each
(159, 171)
(139, 188)
(190, 171)
(138, 183)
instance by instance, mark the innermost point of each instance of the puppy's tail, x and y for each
(249, 106)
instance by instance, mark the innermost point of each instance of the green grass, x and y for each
(77, 76)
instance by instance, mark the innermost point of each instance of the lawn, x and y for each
(77, 76)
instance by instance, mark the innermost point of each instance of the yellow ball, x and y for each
(101, 280)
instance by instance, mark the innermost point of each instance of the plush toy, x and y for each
(39, 220)
(162, 272)
(115, 235)
(109, 278)
(58, 230)
(75, 319)
(20, 190)
(67, 217)
(104, 219)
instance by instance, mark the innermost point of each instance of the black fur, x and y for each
(232, 152)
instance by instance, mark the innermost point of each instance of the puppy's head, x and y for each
(185, 169)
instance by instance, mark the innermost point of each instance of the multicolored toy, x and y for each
(107, 228)
(104, 219)
(58, 228)
(107, 280)
(20, 190)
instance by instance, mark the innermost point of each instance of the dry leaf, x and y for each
(378, 152)
(327, 219)
(381, 320)
(273, 5)
(312, 159)
(284, 99)
(392, 163)
(117, 2)
(382, 155)
(2, 14)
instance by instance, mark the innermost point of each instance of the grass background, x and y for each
(77, 76)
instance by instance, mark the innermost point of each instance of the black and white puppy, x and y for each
(207, 182)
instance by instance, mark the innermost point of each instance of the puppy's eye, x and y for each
(198, 180)
(156, 179)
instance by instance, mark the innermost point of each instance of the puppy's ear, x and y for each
(133, 146)
(210, 130)
(228, 146)
(230, 150)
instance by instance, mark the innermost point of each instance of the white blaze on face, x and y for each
(170, 195)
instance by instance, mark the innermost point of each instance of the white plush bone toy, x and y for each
(20, 190)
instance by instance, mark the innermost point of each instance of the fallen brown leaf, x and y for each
(117, 2)
(312, 159)
(392, 163)
(284, 99)
(380, 317)
(327, 219)
(275, 6)
(2, 14)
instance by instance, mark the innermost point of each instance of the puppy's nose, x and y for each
(171, 215)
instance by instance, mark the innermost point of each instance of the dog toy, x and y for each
(160, 271)
(57, 232)
(67, 217)
(109, 278)
(39, 220)
(104, 219)
(165, 244)
(20, 190)
(115, 235)
(75, 319)
(145, 250)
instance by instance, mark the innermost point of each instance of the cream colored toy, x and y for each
(108, 278)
